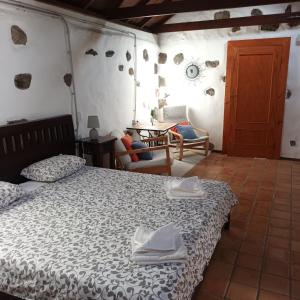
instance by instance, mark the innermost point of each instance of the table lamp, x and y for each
(93, 123)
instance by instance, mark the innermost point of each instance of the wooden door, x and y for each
(255, 97)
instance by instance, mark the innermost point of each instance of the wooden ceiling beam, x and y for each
(169, 7)
(293, 18)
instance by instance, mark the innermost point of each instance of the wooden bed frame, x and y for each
(24, 143)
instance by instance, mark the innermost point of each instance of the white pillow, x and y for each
(9, 193)
(53, 168)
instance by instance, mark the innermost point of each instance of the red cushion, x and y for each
(180, 123)
(127, 141)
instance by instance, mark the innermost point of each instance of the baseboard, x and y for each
(288, 158)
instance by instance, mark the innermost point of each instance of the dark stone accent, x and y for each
(269, 27)
(128, 56)
(121, 68)
(288, 94)
(68, 79)
(131, 71)
(288, 9)
(212, 63)
(161, 81)
(223, 78)
(91, 52)
(109, 53)
(23, 81)
(155, 68)
(178, 59)
(256, 12)
(145, 55)
(236, 29)
(162, 58)
(18, 36)
(224, 14)
(210, 92)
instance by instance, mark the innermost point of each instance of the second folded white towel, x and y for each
(154, 247)
(184, 188)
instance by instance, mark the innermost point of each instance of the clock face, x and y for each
(192, 71)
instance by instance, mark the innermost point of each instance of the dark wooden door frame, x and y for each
(231, 55)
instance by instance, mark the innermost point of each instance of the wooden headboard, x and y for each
(24, 143)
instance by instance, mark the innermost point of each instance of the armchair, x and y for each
(201, 142)
(160, 164)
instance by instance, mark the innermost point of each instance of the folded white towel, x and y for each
(156, 247)
(184, 188)
(162, 239)
(159, 257)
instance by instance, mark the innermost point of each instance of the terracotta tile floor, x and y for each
(259, 257)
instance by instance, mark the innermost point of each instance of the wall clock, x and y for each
(193, 71)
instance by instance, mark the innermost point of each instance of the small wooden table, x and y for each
(97, 148)
(157, 129)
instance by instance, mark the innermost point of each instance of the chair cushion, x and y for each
(186, 131)
(203, 138)
(159, 159)
(127, 141)
(142, 156)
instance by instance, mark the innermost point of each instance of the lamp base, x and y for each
(94, 134)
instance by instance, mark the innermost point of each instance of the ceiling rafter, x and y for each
(170, 7)
(293, 18)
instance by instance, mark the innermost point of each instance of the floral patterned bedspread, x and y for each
(71, 239)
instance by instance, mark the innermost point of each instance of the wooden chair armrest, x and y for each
(178, 135)
(149, 149)
(201, 130)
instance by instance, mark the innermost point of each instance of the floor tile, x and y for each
(265, 295)
(275, 284)
(245, 276)
(236, 290)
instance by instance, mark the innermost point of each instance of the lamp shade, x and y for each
(93, 122)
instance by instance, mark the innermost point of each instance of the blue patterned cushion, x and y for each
(142, 156)
(187, 132)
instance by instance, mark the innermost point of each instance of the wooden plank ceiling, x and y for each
(152, 15)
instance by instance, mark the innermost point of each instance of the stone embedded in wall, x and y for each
(288, 94)
(131, 71)
(18, 36)
(269, 27)
(212, 63)
(224, 14)
(162, 58)
(210, 92)
(121, 68)
(23, 81)
(223, 78)
(178, 59)
(236, 29)
(145, 55)
(155, 68)
(109, 53)
(161, 81)
(256, 12)
(91, 52)
(128, 56)
(68, 79)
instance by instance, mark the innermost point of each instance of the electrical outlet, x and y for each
(293, 143)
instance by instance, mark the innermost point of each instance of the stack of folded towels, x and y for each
(164, 245)
(187, 188)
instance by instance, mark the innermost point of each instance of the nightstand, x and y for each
(97, 149)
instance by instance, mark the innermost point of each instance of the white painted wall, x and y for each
(101, 88)
(206, 111)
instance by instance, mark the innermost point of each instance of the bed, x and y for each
(71, 239)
